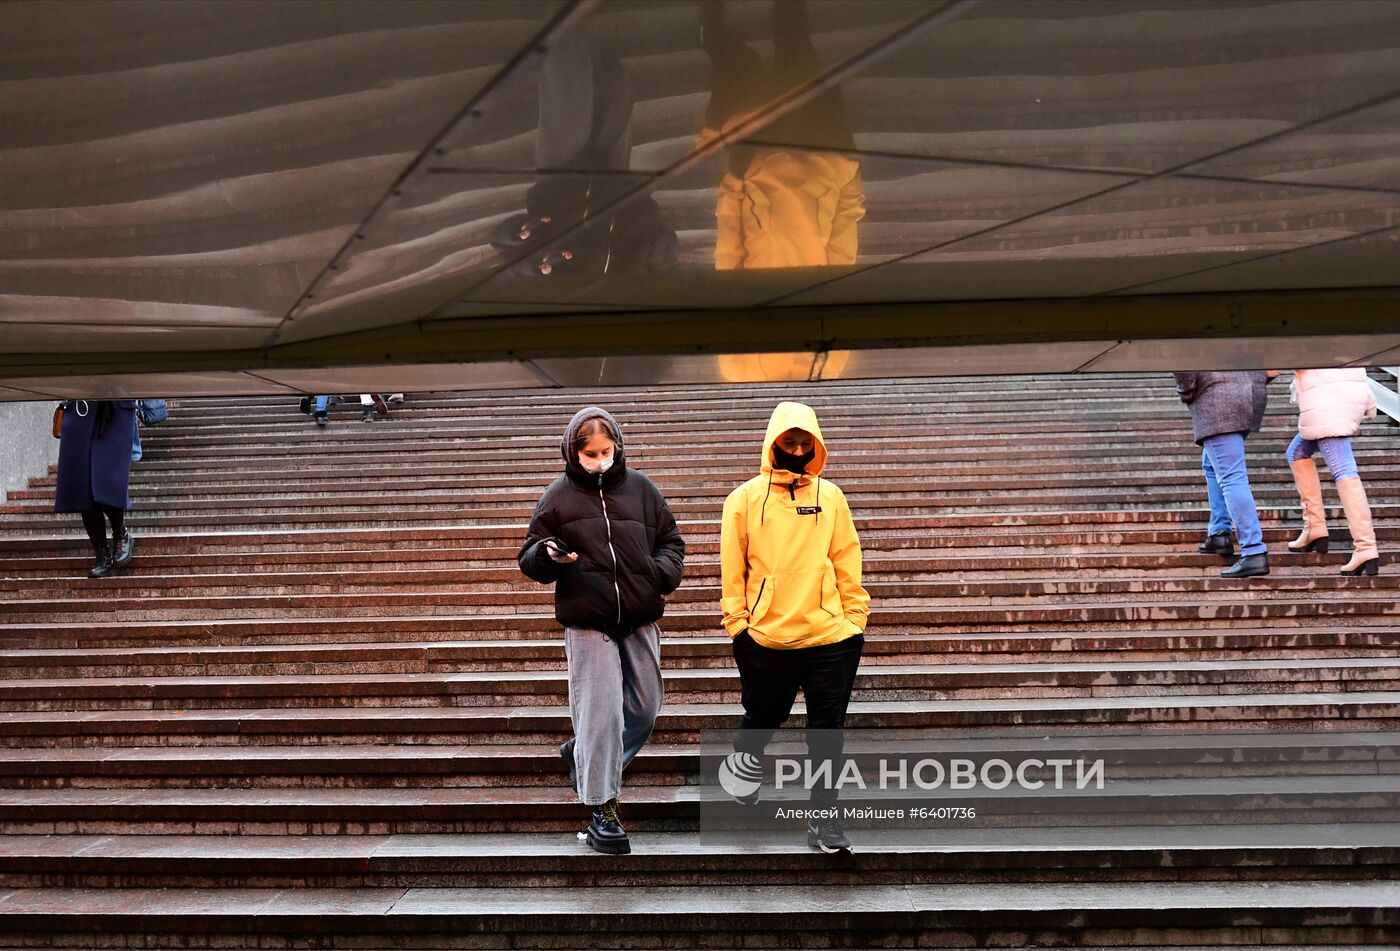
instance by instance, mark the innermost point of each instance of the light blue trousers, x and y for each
(1227, 486)
(615, 694)
(1336, 451)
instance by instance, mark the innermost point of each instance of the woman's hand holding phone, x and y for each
(559, 552)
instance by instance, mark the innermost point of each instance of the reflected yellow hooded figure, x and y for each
(790, 560)
(789, 209)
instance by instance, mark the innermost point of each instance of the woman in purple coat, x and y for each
(94, 467)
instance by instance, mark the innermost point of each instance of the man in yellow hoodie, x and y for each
(793, 603)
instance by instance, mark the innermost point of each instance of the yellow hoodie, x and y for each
(789, 555)
(790, 209)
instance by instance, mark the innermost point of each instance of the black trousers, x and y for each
(769, 680)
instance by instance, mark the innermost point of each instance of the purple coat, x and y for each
(1224, 401)
(94, 455)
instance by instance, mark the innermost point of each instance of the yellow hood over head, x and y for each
(788, 415)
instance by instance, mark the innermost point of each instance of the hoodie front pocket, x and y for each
(831, 595)
(763, 601)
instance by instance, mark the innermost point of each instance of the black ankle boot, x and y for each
(1249, 566)
(125, 548)
(1217, 545)
(605, 833)
(102, 567)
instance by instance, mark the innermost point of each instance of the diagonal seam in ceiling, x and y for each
(573, 12)
(1393, 94)
(1145, 285)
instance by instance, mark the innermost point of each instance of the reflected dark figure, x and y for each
(779, 207)
(94, 469)
(585, 133)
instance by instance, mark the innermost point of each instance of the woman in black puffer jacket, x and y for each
(604, 536)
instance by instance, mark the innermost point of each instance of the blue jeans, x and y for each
(1336, 450)
(135, 439)
(321, 403)
(1227, 486)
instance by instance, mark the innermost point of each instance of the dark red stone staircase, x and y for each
(322, 709)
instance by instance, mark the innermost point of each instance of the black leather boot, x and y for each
(1249, 566)
(102, 567)
(1217, 545)
(605, 833)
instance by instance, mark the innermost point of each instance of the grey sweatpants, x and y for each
(614, 696)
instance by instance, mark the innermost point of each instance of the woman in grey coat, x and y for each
(1226, 406)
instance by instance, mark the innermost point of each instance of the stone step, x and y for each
(1369, 622)
(500, 861)
(1008, 575)
(951, 530)
(1187, 522)
(363, 451)
(657, 434)
(1368, 600)
(484, 565)
(687, 502)
(520, 419)
(1163, 802)
(357, 466)
(1356, 710)
(65, 559)
(1011, 596)
(878, 683)
(725, 427)
(872, 475)
(396, 472)
(505, 518)
(1283, 914)
(384, 455)
(1211, 754)
(687, 652)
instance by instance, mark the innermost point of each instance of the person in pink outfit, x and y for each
(1331, 405)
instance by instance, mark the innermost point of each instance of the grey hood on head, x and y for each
(566, 446)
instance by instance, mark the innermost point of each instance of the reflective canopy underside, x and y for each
(208, 197)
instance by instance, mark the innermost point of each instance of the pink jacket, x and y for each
(1332, 402)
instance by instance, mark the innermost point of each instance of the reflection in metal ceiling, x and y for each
(248, 196)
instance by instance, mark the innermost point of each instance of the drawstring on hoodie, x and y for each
(763, 512)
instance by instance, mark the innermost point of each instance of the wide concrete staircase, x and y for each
(322, 708)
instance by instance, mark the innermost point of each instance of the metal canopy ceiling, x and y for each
(227, 197)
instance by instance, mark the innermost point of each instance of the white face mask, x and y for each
(598, 468)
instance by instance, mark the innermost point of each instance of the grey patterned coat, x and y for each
(1224, 401)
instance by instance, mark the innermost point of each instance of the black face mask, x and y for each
(792, 463)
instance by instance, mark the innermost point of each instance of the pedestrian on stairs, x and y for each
(790, 567)
(1226, 406)
(94, 469)
(1331, 405)
(604, 536)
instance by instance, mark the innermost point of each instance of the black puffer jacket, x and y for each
(631, 554)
